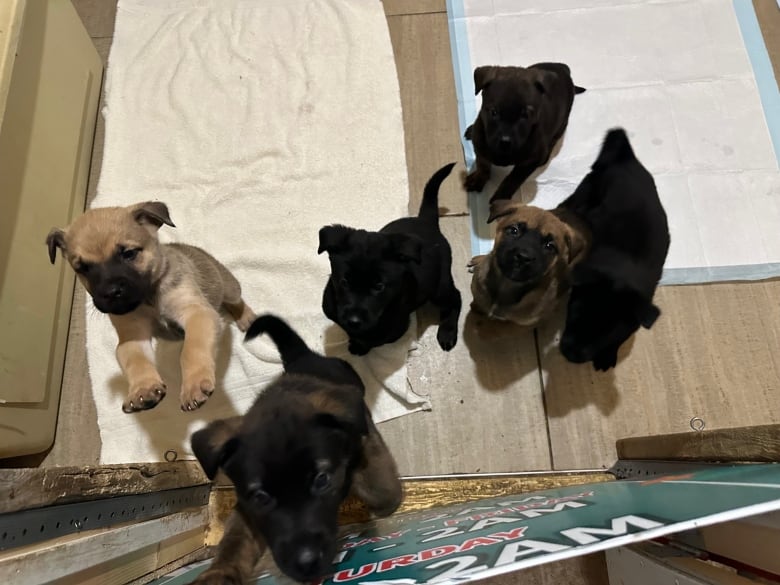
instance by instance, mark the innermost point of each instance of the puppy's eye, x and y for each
(378, 287)
(493, 113)
(321, 482)
(82, 267)
(513, 230)
(550, 245)
(129, 254)
(260, 498)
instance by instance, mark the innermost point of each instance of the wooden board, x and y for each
(76, 553)
(712, 354)
(422, 55)
(22, 489)
(487, 412)
(754, 444)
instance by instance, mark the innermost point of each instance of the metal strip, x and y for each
(647, 468)
(31, 526)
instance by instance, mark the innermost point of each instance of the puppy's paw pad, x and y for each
(194, 393)
(246, 319)
(447, 339)
(144, 395)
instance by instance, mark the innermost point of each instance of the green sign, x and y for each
(487, 537)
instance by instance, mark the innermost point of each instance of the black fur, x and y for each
(613, 287)
(293, 455)
(378, 278)
(525, 110)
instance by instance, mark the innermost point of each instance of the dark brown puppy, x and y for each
(378, 278)
(524, 112)
(613, 287)
(527, 271)
(304, 445)
(150, 289)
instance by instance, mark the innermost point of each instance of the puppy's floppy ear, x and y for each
(500, 208)
(576, 243)
(153, 213)
(214, 444)
(483, 76)
(405, 247)
(649, 316)
(541, 80)
(333, 238)
(55, 239)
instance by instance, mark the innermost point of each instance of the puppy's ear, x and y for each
(541, 80)
(483, 76)
(405, 247)
(649, 316)
(333, 238)
(55, 239)
(340, 408)
(214, 444)
(152, 213)
(500, 208)
(577, 245)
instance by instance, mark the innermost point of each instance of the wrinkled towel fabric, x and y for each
(256, 123)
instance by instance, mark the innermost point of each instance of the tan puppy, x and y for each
(525, 275)
(151, 289)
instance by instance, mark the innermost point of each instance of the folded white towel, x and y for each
(257, 123)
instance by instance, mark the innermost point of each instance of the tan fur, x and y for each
(495, 296)
(190, 288)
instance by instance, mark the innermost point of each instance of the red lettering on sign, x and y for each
(439, 551)
(349, 574)
(510, 535)
(401, 561)
(475, 542)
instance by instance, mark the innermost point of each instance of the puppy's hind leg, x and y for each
(232, 301)
(376, 480)
(448, 301)
(237, 554)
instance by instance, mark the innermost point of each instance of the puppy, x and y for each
(524, 112)
(378, 278)
(151, 289)
(303, 446)
(527, 271)
(612, 290)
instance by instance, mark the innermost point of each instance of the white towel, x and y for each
(681, 77)
(257, 123)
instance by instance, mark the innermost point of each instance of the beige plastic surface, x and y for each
(46, 136)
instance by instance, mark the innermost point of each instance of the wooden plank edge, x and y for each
(757, 444)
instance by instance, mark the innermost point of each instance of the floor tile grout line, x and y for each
(544, 398)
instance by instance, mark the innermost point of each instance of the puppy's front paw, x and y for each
(475, 181)
(144, 395)
(447, 337)
(219, 576)
(196, 389)
(358, 347)
(604, 361)
(474, 262)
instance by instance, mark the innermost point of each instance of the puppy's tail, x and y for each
(429, 208)
(290, 345)
(616, 149)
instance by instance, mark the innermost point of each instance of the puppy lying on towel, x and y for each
(303, 446)
(613, 287)
(151, 289)
(378, 278)
(527, 271)
(524, 112)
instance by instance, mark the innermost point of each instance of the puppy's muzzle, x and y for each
(116, 296)
(505, 143)
(306, 558)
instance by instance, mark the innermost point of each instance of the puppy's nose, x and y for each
(115, 291)
(505, 142)
(522, 258)
(354, 321)
(307, 560)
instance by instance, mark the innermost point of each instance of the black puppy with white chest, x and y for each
(378, 278)
(525, 110)
(306, 443)
(613, 287)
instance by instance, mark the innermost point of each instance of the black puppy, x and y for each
(612, 289)
(524, 112)
(378, 278)
(303, 446)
